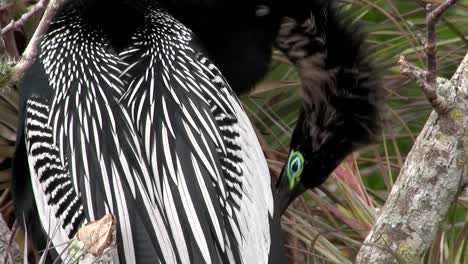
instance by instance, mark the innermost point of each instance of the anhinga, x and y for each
(129, 114)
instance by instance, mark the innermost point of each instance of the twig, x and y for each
(437, 13)
(4, 208)
(30, 53)
(25, 17)
(411, 71)
(430, 86)
(10, 242)
(9, 41)
(8, 249)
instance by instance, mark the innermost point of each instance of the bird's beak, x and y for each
(284, 194)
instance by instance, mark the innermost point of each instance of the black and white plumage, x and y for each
(133, 119)
(128, 114)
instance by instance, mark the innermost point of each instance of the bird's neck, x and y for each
(116, 9)
(118, 19)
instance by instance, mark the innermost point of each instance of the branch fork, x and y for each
(429, 87)
(433, 173)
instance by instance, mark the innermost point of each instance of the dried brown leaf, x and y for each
(97, 236)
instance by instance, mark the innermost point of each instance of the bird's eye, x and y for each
(295, 164)
(294, 169)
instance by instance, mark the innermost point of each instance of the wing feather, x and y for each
(198, 112)
(155, 136)
(58, 203)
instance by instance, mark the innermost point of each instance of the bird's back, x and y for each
(138, 122)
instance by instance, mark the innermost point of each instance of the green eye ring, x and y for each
(294, 168)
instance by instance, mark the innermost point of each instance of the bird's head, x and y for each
(314, 153)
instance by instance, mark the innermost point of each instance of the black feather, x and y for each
(341, 90)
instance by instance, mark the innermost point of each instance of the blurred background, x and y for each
(326, 225)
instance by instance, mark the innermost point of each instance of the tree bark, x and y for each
(433, 174)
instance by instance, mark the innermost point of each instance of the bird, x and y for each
(137, 114)
(342, 95)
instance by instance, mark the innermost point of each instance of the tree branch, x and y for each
(430, 86)
(429, 180)
(9, 49)
(434, 171)
(29, 55)
(25, 17)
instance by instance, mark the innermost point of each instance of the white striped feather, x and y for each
(118, 128)
(250, 219)
(88, 90)
(44, 176)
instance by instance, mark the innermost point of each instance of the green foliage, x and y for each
(6, 73)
